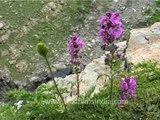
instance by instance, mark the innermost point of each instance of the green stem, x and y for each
(111, 78)
(56, 86)
(77, 83)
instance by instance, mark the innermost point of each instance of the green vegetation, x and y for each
(42, 104)
(155, 17)
(16, 13)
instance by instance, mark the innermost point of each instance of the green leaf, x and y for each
(89, 92)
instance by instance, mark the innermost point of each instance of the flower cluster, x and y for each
(127, 88)
(75, 44)
(111, 27)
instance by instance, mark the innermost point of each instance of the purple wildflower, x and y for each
(111, 27)
(75, 44)
(127, 88)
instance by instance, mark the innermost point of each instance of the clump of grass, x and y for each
(155, 17)
(16, 13)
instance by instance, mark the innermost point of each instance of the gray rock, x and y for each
(52, 5)
(121, 46)
(5, 37)
(22, 66)
(144, 44)
(5, 83)
(89, 45)
(12, 62)
(59, 66)
(36, 80)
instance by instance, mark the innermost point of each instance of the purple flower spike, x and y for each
(127, 88)
(111, 27)
(75, 44)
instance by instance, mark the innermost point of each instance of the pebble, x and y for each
(89, 45)
(123, 8)
(35, 78)
(93, 41)
(1, 25)
(143, 8)
(52, 5)
(91, 54)
(134, 9)
(12, 62)
(91, 18)
(115, 0)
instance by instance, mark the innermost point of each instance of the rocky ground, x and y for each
(18, 52)
(132, 13)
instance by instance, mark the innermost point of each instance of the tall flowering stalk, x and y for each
(127, 89)
(75, 44)
(110, 30)
(43, 50)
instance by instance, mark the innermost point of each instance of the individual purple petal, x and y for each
(114, 16)
(102, 20)
(101, 32)
(80, 43)
(123, 84)
(132, 82)
(131, 92)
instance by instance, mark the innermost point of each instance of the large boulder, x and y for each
(93, 76)
(37, 79)
(144, 44)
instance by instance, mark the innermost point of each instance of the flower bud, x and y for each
(42, 49)
(120, 54)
